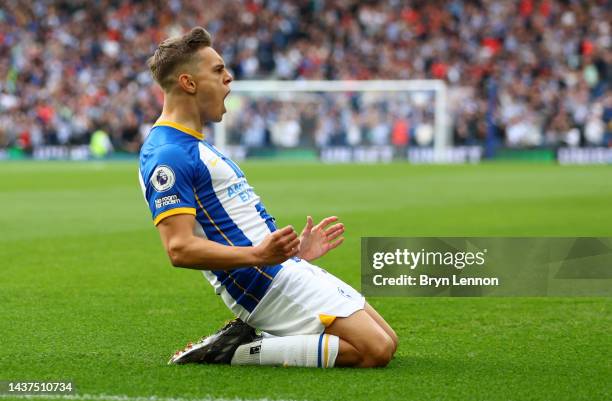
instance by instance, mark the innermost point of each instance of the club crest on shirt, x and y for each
(162, 178)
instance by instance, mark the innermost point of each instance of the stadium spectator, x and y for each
(72, 66)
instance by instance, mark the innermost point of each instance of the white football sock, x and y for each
(307, 350)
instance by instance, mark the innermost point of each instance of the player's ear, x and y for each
(187, 83)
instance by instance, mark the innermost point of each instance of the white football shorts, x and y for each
(304, 299)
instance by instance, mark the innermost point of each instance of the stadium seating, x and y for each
(542, 67)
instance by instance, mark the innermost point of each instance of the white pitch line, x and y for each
(105, 397)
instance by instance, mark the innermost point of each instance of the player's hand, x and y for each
(316, 241)
(278, 247)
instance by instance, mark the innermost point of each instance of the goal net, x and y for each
(336, 119)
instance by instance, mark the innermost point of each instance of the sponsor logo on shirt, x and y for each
(242, 190)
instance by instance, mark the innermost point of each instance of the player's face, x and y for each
(212, 79)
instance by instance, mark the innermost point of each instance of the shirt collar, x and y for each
(180, 127)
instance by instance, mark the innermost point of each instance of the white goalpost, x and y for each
(433, 91)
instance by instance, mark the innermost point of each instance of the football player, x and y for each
(210, 218)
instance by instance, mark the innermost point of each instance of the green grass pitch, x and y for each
(88, 294)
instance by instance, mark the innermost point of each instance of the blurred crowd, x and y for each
(528, 72)
(332, 119)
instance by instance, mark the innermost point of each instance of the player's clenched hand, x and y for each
(316, 241)
(278, 247)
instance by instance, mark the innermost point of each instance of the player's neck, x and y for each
(181, 113)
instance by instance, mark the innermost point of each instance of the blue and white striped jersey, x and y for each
(180, 173)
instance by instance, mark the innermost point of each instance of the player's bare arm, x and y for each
(186, 250)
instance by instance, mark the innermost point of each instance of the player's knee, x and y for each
(379, 352)
(385, 354)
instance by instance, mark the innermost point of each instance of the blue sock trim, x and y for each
(319, 364)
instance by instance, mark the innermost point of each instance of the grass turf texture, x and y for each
(87, 293)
